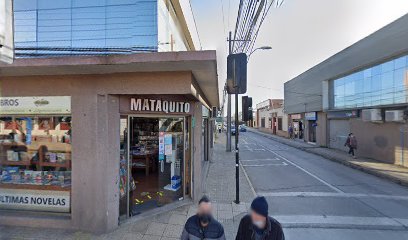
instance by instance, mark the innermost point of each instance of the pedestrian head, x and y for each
(350, 134)
(259, 212)
(204, 210)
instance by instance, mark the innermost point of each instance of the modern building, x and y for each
(271, 117)
(81, 27)
(6, 31)
(363, 90)
(103, 115)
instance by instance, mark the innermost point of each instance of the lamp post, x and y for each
(237, 131)
(259, 48)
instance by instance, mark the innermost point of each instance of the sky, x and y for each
(302, 34)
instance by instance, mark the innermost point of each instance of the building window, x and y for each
(78, 27)
(280, 124)
(262, 122)
(383, 84)
(35, 153)
(35, 163)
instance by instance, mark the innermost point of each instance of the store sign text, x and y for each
(35, 105)
(53, 201)
(155, 105)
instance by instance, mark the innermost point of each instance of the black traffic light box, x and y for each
(237, 73)
(246, 108)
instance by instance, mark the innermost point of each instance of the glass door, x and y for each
(156, 162)
(171, 159)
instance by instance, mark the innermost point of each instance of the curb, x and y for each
(337, 160)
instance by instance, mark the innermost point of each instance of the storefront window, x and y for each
(35, 153)
(35, 163)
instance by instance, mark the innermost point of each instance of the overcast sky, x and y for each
(302, 33)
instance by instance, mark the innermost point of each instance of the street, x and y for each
(315, 198)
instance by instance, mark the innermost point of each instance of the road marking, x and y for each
(304, 170)
(265, 159)
(265, 165)
(249, 181)
(311, 221)
(331, 194)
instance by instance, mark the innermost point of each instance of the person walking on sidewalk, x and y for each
(290, 132)
(258, 225)
(203, 225)
(351, 143)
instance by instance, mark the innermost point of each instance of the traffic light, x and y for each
(246, 108)
(250, 115)
(237, 73)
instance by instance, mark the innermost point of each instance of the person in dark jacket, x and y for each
(203, 225)
(258, 225)
(351, 143)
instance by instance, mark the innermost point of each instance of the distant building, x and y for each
(362, 89)
(271, 117)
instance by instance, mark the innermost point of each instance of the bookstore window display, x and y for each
(35, 163)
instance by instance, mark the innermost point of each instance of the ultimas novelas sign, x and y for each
(158, 105)
(40, 200)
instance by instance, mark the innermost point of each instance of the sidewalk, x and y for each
(220, 187)
(395, 173)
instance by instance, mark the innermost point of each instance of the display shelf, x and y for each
(34, 187)
(15, 163)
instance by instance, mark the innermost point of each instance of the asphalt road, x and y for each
(315, 198)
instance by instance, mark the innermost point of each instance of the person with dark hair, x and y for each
(258, 225)
(203, 225)
(351, 143)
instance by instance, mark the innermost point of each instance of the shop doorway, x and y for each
(312, 131)
(152, 162)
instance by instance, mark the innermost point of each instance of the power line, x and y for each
(195, 25)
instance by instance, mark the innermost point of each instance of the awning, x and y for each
(202, 64)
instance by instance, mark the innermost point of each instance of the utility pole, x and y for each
(228, 145)
(236, 147)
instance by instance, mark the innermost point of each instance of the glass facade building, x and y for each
(88, 27)
(382, 84)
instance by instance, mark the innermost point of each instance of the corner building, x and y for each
(93, 131)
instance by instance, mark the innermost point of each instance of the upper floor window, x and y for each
(383, 84)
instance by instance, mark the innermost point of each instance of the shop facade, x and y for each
(271, 117)
(84, 150)
(360, 90)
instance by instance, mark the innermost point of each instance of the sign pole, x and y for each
(228, 146)
(236, 148)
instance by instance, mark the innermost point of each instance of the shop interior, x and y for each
(35, 153)
(152, 163)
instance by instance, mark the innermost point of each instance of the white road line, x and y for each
(266, 159)
(265, 165)
(350, 221)
(249, 181)
(331, 194)
(304, 170)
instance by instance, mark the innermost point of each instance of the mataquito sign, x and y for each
(156, 105)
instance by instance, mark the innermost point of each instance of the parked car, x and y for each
(233, 130)
(242, 128)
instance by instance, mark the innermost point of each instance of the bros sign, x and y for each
(6, 31)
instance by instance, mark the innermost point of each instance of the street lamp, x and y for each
(259, 48)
